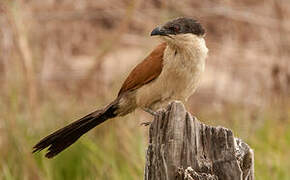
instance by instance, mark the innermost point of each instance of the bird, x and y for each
(172, 71)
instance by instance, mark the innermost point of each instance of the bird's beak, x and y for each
(158, 31)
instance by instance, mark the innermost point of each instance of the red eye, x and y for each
(176, 28)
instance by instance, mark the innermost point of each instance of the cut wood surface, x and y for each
(180, 147)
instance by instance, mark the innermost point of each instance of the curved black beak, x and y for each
(158, 31)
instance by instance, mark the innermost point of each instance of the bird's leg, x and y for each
(146, 123)
(150, 111)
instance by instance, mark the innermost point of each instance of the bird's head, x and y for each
(179, 31)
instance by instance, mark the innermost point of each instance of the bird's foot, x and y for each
(150, 111)
(146, 123)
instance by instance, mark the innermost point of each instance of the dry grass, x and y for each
(61, 59)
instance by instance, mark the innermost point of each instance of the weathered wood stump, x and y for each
(180, 147)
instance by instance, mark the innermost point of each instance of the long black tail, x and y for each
(63, 138)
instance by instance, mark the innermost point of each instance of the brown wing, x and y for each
(148, 70)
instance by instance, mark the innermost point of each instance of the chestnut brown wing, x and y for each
(146, 71)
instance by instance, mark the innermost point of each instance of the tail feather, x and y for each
(63, 138)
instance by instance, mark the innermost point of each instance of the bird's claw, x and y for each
(150, 111)
(145, 123)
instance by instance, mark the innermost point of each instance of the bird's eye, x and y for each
(174, 28)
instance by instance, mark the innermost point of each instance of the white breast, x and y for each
(180, 76)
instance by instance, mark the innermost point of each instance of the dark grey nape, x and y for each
(183, 26)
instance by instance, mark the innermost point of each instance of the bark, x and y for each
(181, 147)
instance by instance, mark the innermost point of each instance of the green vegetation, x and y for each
(267, 131)
(56, 57)
(116, 150)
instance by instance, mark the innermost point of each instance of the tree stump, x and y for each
(182, 148)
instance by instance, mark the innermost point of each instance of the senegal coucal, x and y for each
(172, 71)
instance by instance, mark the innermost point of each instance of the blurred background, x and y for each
(61, 59)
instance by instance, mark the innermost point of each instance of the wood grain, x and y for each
(180, 147)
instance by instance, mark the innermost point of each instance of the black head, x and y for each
(179, 26)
